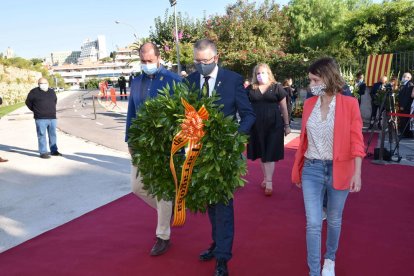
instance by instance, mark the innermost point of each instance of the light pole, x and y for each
(129, 25)
(173, 3)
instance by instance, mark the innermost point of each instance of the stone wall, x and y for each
(15, 84)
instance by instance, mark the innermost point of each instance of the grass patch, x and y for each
(10, 108)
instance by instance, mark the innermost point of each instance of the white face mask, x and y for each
(318, 90)
(263, 78)
(44, 86)
(149, 68)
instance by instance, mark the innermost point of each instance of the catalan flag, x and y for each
(377, 66)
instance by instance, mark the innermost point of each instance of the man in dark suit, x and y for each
(376, 101)
(122, 87)
(405, 101)
(360, 84)
(229, 86)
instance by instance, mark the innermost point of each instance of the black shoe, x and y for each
(208, 254)
(56, 153)
(45, 156)
(221, 268)
(160, 247)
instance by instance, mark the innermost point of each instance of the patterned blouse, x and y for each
(320, 133)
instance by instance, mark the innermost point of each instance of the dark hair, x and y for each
(203, 44)
(286, 82)
(359, 74)
(154, 47)
(328, 70)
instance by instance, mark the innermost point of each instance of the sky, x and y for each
(34, 29)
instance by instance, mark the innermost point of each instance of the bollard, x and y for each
(94, 109)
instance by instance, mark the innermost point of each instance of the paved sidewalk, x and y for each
(37, 195)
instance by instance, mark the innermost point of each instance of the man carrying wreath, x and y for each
(145, 86)
(229, 87)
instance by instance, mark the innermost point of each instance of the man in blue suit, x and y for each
(229, 86)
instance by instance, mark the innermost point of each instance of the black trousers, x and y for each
(122, 91)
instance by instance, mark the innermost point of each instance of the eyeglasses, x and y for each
(203, 61)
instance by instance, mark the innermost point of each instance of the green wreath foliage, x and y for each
(220, 166)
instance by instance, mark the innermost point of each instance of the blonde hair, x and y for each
(255, 82)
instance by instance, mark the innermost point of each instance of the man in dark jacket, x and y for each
(122, 87)
(405, 100)
(360, 85)
(42, 101)
(376, 101)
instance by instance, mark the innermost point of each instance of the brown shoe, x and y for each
(3, 160)
(160, 247)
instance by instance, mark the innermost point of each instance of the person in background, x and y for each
(145, 86)
(329, 158)
(233, 97)
(183, 74)
(394, 84)
(412, 112)
(266, 141)
(405, 100)
(122, 87)
(246, 83)
(375, 101)
(2, 159)
(287, 85)
(42, 101)
(360, 85)
(130, 79)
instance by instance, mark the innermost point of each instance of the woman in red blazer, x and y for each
(328, 159)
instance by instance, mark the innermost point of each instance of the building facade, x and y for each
(126, 61)
(64, 57)
(93, 50)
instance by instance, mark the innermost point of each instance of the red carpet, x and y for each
(377, 234)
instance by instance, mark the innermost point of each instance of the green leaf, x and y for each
(218, 170)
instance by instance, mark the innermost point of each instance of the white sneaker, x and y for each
(328, 268)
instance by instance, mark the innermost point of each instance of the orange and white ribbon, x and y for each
(191, 133)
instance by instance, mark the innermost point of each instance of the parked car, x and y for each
(58, 89)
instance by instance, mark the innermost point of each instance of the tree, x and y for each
(314, 22)
(163, 34)
(247, 34)
(36, 61)
(380, 28)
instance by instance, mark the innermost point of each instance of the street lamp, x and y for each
(129, 25)
(173, 3)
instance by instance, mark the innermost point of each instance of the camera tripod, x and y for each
(389, 124)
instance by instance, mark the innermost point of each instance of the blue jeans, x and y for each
(316, 179)
(49, 126)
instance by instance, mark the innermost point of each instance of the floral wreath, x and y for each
(220, 165)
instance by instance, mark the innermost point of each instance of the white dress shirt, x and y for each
(320, 133)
